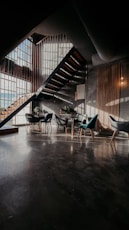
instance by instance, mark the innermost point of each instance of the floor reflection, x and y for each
(56, 182)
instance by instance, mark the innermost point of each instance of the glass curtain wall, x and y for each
(14, 79)
(53, 50)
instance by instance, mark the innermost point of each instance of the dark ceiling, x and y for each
(100, 32)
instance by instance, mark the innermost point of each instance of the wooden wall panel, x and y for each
(124, 94)
(108, 92)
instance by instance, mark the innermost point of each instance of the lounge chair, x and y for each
(118, 126)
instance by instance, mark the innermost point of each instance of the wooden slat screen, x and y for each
(108, 92)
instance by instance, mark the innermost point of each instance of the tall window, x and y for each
(53, 51)
(13, 85)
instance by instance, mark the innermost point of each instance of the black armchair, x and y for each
(32, 119)
(47, 120)
(61, 123)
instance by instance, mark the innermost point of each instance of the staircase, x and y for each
(70, 72)
(14, 106)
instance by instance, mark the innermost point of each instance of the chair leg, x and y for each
(28, 127)
(48, 127)
(80, 131)
(65, 130)
(92, 133)
(39, 125)
(113, 135)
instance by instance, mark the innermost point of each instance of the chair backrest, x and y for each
(48, 117)
(119, 125)
(91, 123)
(112, 118)
(113, 122)
(31, 118)
(61, 121)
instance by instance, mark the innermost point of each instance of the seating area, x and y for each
(74, 127)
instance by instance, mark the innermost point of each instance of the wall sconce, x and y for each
(121, 80)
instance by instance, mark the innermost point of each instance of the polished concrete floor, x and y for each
(58, 182)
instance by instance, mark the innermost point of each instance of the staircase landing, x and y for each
(8, 129)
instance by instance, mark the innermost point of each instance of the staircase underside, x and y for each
(70, 72)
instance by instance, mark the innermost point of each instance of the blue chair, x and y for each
(90, 125)
(118, 126)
